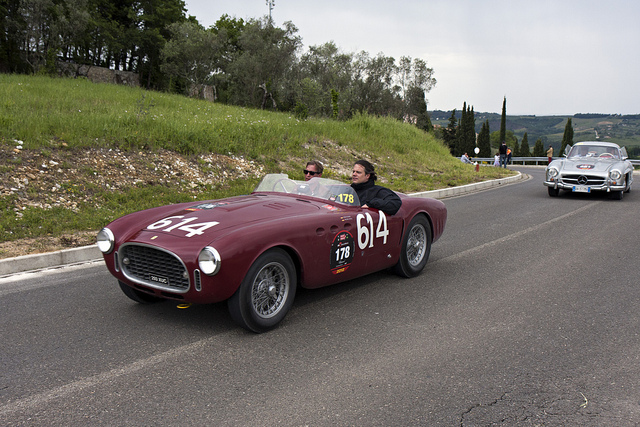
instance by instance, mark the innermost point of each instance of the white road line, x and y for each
(466, 253)
(36, 400)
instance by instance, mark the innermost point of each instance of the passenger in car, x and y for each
(363, 180)
(313, 170)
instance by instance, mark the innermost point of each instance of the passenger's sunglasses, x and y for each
(312, 173)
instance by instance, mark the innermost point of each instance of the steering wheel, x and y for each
(281, 183)
(606, 155)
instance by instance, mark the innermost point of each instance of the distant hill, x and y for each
(621, 129)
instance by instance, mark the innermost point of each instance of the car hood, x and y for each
(588, 165)
(207, 220)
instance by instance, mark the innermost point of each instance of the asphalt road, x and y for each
(527, 313)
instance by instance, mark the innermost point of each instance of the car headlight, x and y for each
(552, 173)
(105, 240)
(209, 261)
(614, 174)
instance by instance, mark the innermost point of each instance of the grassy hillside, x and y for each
(75, 155)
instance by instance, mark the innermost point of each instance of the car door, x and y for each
(352, 242)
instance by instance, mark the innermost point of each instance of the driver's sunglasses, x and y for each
(312, 173)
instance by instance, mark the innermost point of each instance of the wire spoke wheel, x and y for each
(270, 289)
(416, 245)
(266, 293)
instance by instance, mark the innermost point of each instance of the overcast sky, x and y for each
(547, 57)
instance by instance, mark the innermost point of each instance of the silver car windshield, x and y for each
(593, 151)
(322, 188)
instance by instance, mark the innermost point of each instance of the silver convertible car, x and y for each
(591, 166)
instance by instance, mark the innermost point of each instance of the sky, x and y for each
(547, 57)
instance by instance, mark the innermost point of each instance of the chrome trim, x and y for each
(197, 282)
(149, 283)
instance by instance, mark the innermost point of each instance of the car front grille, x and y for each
(586, 180)
(153, 267)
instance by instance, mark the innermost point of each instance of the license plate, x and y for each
(159, 279)
(581, 189)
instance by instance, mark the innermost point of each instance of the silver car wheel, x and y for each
(416, 245)
(266, 293)
(415, 249)
(270, 289)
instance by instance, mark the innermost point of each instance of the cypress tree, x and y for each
(461, 132)
(484, 140)
(503, 122)
(449, 133)
(470, 138)
(567, 138)
(538, 149)
(524, 148)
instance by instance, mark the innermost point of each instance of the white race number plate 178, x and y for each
(581, 189)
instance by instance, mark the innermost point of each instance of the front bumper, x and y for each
(592, 183)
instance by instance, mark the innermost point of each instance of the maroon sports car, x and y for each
(254, 250)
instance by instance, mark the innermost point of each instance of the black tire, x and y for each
(266, 293)
(138, 296)
(628, 181)
(553, 192)
(616, 195)
(416, 247)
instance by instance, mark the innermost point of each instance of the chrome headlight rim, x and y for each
(105, 240)
(615, 174)
(552, 172)
(209, 261)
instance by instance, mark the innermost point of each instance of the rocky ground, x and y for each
(58, 176)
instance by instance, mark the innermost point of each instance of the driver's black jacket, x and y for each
(377, 197)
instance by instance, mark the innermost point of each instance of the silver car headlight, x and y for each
(209, 261)
(614, 174)
(106, 241)
(552, 173)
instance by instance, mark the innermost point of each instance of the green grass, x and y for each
(47, 114)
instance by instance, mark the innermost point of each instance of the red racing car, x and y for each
(254, 250)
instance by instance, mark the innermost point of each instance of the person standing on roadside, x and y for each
(503, 154)
(550, 153)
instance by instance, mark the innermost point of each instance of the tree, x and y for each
(567, 138)
(509, 138)
(192, 53)
(331, 71)
(460, 132)
(538, 148)
(524, 148)
(449, 133)
(470, 138)
(153, 18)
(415, 80)
(484, 140)
(373, 90)
(503, 122)
(417, 107)
(228, 31)
(12, 25)
(266, 54)
(466, 135)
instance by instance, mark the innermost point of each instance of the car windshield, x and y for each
(323, 188)
(594, 151)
